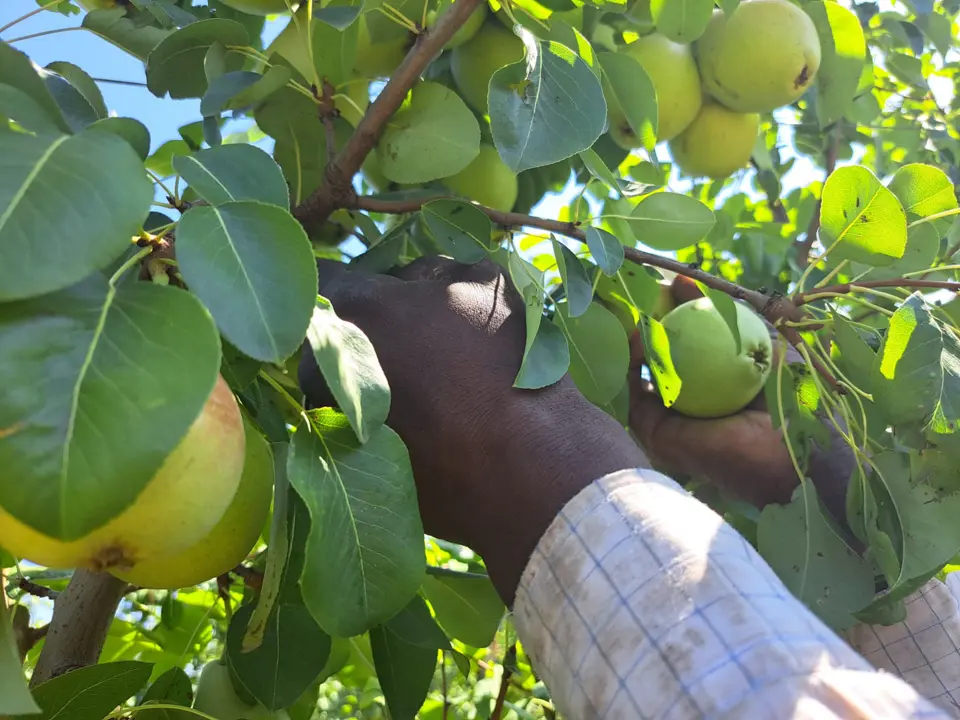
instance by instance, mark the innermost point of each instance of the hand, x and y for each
(743, 454)
(493, 464)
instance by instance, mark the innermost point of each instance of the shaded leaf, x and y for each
(175, 65)
(16, 105)
(75, 109)
(17, 71)
(84, 84)
(234, 172)
(605, 249)
(670, 221)
(683, 21)
(171, 688)
(728, 311)
(132, 131)
(599, 356)
(15, 697)
(598, 169)
(462, 230)
(90, 693)
(114, 26)
(468, 608)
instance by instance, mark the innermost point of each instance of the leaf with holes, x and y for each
(656, 346)
(234, 172)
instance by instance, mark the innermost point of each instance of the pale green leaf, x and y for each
(656, 346)
(683, 21)
(670, 221)
(15, 698)
(923, 190)
(467, 607)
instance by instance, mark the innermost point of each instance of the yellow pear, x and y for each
(762, 57)
(230, 540)
(183, 501)
(487, 180)
(718, 142)
(474, 63)
(673, 72)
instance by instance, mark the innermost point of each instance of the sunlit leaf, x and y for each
(923, 190)
(843, 52)
(670, 221)
(656, 346)
(683, 21)
(90, 693)
(468, 608)
(627, 86)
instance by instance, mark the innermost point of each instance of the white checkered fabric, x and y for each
(640, 602)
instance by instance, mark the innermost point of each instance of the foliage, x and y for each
(841, 228)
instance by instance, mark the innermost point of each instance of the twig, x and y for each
(508, 662)
(443, 682)
(337, 188)
(805, 245)
(253, 579)
(32, 588)
(844, 288)
(328, 113)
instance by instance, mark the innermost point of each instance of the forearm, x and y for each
(640, 601)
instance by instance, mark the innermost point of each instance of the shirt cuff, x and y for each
(640, 601)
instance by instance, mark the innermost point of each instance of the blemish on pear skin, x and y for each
(803, 78)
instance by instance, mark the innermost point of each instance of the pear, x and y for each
(467, 31)
(762, 57)
(487, 180)
(717, 143)
(474, 63)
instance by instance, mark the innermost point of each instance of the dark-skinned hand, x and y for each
(493, 464)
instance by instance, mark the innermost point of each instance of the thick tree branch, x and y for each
(843, 288)
(78, 629)
(337, 188)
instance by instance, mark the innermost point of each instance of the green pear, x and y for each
(474, 63)
(257, 7)
(487, 180)
(377, 60)
(216, 697)
(716, 380)
(467, 31)
(717, 143)
(762, 57)
(673, 72)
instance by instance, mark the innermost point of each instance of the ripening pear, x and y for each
(762, 57)
(216, 697)
(474, 63)
(716, 380)
(184, 500)
(487, 180)
(257, 7)
(230, 540)
(673, 72)
(717, 143)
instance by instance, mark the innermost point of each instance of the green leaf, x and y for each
(433, 135)
(860, 219)
(579, 289)
(683, 21)
(628, 87)
(545, 108)
(855, 357)
(84, 84)
(923, 246)
(598, 169)
(364, 556)
(351, 369)
(843, 52)
(92, 692)
(404, 669)
(75, 109)
(462, 230)
(132, 131)
(172, 688)
(114, 26)
(334, 50)
(234, 172)
(293, 652)
(670, 221)
(599, 355)
(546, 356)
(340, 16)
(656, 346)
(605, 249)
(222, 89)
(16, 105)
(16, 70)
(15, 698)
(728, 311)
(923, 190)
(468, 608)
(907, 68)
(128, 369)
(253, 267)
(175, 66)
(814, 563)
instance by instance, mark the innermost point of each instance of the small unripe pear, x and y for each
(717, 143)
(487, 180)
(474, 63)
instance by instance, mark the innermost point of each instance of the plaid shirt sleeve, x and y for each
(641, 602)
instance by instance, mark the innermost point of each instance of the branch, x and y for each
(32, 588)
(804, 247)
(328, 113)
(843, 288)
(81, 617)
(337, 188)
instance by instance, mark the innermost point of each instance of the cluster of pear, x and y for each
(197, 518)
(711, 94)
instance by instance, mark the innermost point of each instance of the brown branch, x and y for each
(805, 245)
(508, 661)
(337, 188)
(328, 113)
(844, 288)
(252, 578)
(81, 618)
(32, 588)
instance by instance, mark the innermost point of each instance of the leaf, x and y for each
(132, 131)
(350, 368)
(728, 311)
(234, 172)
(855, 358)
(546, 356)
(605, 249)
(468, 608)
(15, 698)
(656, 346)
(923, 245)
(907, 68)
(433, 135)
(17, 71)
(683, 21)
(670, 221)
(545, 108)
(462, 230)
(579, 289)
(293, 652)
(334, 50)
(224, 87)
(923, 190)
(84, 84)
(75, 109)
(16, 105)
(338, 16)
(860, 219)
(175, 66)
(812, 560)
(253, 267)
(128, 369)
(44, 251)
(599, 356)
(598, 169)
(114, 26)
(843, 52)
(90, 693)
(364, 556)
(404, 669)
(171, 688)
